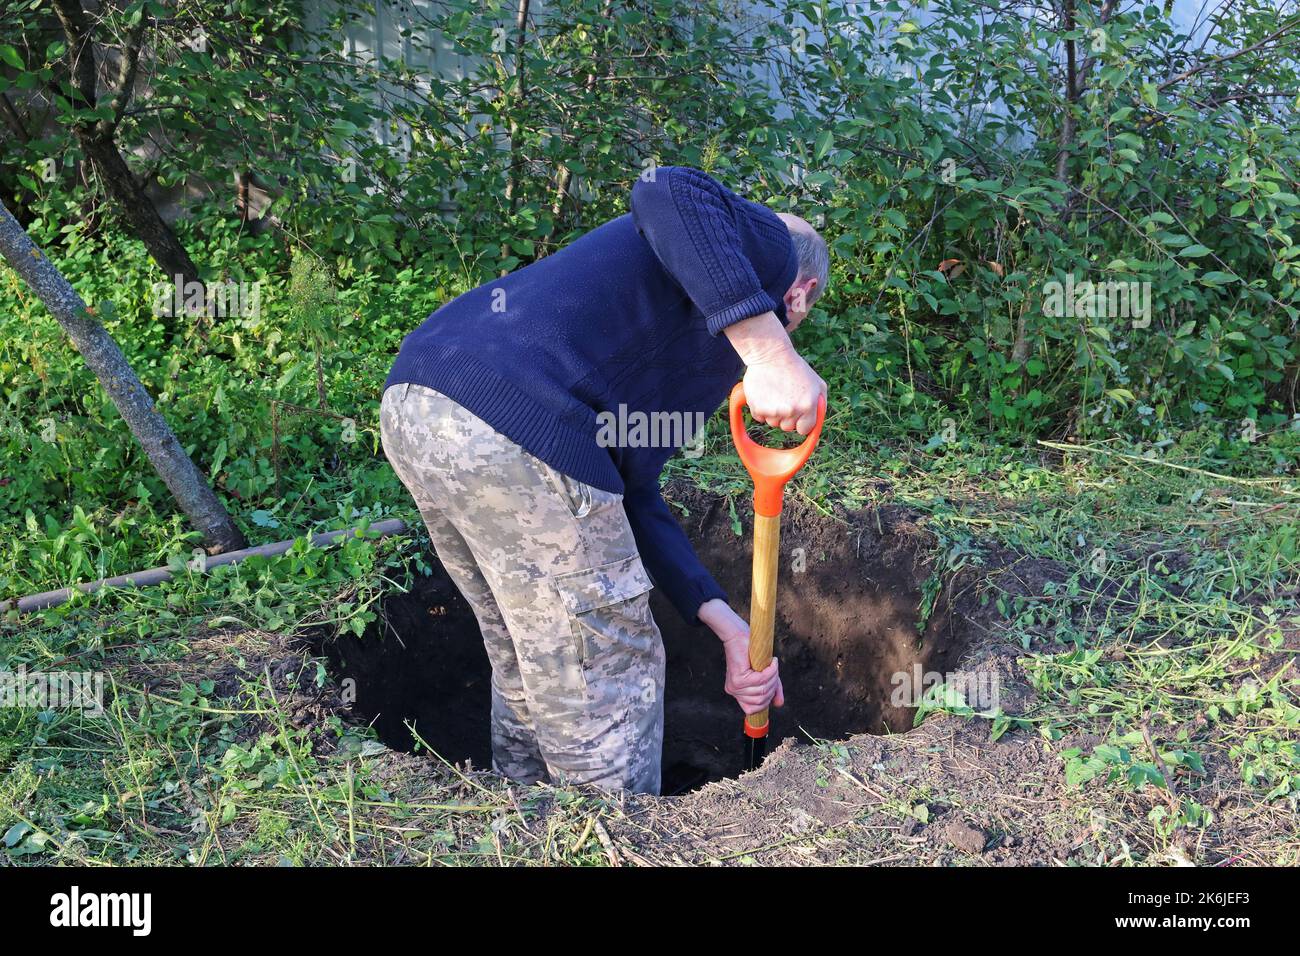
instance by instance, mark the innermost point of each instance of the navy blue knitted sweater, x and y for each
(626, 319)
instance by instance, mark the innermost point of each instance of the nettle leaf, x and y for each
(1144, 773)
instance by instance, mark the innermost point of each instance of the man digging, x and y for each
(492, 418)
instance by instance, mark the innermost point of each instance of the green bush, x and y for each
(912, 140)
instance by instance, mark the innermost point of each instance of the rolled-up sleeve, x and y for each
(689, 220)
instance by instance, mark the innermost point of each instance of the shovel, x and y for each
(770, 468)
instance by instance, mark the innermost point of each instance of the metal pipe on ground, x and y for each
(138, 579)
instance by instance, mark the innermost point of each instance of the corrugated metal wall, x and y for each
(398, 30)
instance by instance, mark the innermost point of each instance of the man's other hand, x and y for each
(752, 689)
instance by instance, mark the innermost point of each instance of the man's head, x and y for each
(814, 263)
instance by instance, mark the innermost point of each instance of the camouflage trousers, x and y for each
(552, 572)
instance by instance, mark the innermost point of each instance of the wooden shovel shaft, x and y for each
(770, 468)
(762, 604)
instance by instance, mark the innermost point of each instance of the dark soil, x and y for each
(847, 623)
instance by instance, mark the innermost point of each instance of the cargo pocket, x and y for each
(609, 613)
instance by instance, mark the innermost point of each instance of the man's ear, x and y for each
(800, 295)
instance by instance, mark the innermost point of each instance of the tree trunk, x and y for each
(139, 215)
(565, 177)
(520, 97)
(98, 140)
(119, 380)
(1065, 140)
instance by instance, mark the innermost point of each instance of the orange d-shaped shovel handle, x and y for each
(770, 468)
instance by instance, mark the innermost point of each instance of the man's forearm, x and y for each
(759, 339)
(718, 616)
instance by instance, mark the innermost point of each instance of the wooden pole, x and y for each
(139, 579)
(762, 603)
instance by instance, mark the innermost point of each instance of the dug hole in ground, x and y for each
(862, 620)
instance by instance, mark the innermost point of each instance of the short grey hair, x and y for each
(814, 259)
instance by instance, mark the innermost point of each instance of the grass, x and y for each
(1166, 642)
